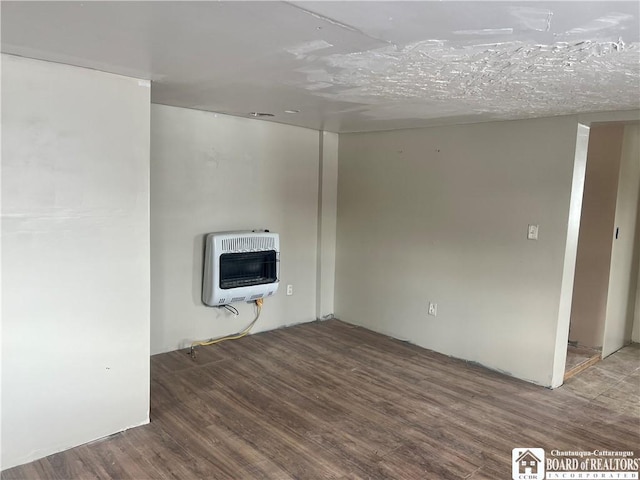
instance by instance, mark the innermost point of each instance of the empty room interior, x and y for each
(320, 240)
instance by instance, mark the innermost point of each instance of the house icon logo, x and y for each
(527, 463)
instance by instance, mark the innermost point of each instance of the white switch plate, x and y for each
(289, 289)
(532, 232)
(433, 309)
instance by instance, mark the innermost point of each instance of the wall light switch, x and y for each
(532, 232)
(289, 289)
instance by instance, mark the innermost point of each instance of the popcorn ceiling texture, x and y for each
(501, 78)
(515, 71)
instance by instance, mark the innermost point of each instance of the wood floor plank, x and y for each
(328, 400)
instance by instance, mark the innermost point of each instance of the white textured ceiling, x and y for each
(351, 66)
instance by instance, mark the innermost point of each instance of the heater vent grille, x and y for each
(243, 244)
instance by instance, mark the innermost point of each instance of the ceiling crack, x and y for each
(339, 24)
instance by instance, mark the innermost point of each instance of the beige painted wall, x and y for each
(624, 255)
(213, 172)
(635, 335)
(589, 307)
(635, 329)
(441, 215)
(75, 256)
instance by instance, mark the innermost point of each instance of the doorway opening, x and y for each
(604, 314)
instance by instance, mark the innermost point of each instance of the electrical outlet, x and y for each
(289, 289)
(532, 232)
(433, 309)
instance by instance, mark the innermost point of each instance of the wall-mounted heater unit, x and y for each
(240, 267)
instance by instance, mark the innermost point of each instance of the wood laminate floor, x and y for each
(327, 400)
